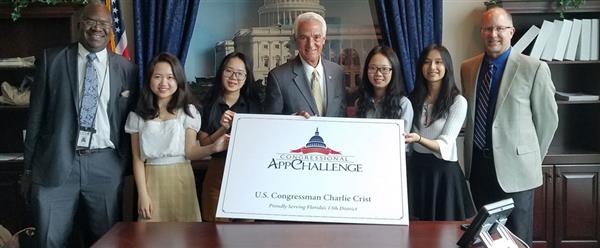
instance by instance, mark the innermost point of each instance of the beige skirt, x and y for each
(172, 190)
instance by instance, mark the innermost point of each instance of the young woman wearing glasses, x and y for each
(381, 91)
(234, 91)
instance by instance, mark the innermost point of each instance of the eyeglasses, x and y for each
(383, 69)
(228, 72)
(498, 29)
(93, 23)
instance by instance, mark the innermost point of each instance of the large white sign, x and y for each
(320, 169)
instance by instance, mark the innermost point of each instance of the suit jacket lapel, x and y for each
(115, 82)
(473, 78)
(302, 83)
(72, 68)
(510, 71)
(330, 87)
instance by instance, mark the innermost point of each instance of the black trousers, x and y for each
(485, 189)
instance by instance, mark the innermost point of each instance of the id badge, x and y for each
(84, 139)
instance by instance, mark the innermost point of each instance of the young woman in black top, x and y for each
(234, 91)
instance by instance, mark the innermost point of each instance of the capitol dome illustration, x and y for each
(316, 141)
(316, 145)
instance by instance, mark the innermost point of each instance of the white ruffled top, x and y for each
(163, 141)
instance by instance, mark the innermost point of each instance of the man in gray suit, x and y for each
(511, 119)
(308, 84)
(77, 162)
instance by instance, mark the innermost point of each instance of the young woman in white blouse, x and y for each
(437, 188)
(163, 132)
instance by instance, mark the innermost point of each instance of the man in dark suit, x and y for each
(76, 149)
(307, 84)
(511, 119)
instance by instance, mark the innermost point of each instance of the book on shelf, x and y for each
(583, 52)
(542, 39)
(526, 39)
(17, 62)
(594, 40)
(573, 40)
(562, 40)
(575, 97)
(550, 47)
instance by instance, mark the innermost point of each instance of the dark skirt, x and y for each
(437, 189)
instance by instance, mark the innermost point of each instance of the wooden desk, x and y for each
(171, 235)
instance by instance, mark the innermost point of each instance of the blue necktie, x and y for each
(481, 114)
(89, 99)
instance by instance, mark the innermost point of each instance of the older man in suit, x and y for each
(308, 84)
(75, 149)
(511, 119)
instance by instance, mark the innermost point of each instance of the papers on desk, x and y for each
(11, 156)
(575, 97)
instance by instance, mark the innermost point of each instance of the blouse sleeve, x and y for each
(194, 122)
(407, 114)
(452, 126)
(132, 125)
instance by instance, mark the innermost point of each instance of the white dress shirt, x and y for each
(100, 139)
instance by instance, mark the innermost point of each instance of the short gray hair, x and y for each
(307, 16)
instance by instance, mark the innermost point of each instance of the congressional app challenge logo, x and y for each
(314, 156)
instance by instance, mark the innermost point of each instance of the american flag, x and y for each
(118, 39)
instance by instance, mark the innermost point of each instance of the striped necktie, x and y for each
(481, 114)
(89, 98)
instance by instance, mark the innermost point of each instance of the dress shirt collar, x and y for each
(239, 103)
(101, 56)
(308, 69)
(500, 61)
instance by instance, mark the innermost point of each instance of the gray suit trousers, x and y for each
(94, 185)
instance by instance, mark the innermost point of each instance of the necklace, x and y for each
(426, 114)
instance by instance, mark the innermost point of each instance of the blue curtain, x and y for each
(163, 26)
(408, 26)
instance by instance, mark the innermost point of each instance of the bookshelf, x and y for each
(567, 206)
(40, 26)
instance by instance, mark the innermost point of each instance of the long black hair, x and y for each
(448, 89)
(393, 93)
(147, 106)
(248, 92)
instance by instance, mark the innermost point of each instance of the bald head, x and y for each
(496, 12)
(496, 31)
